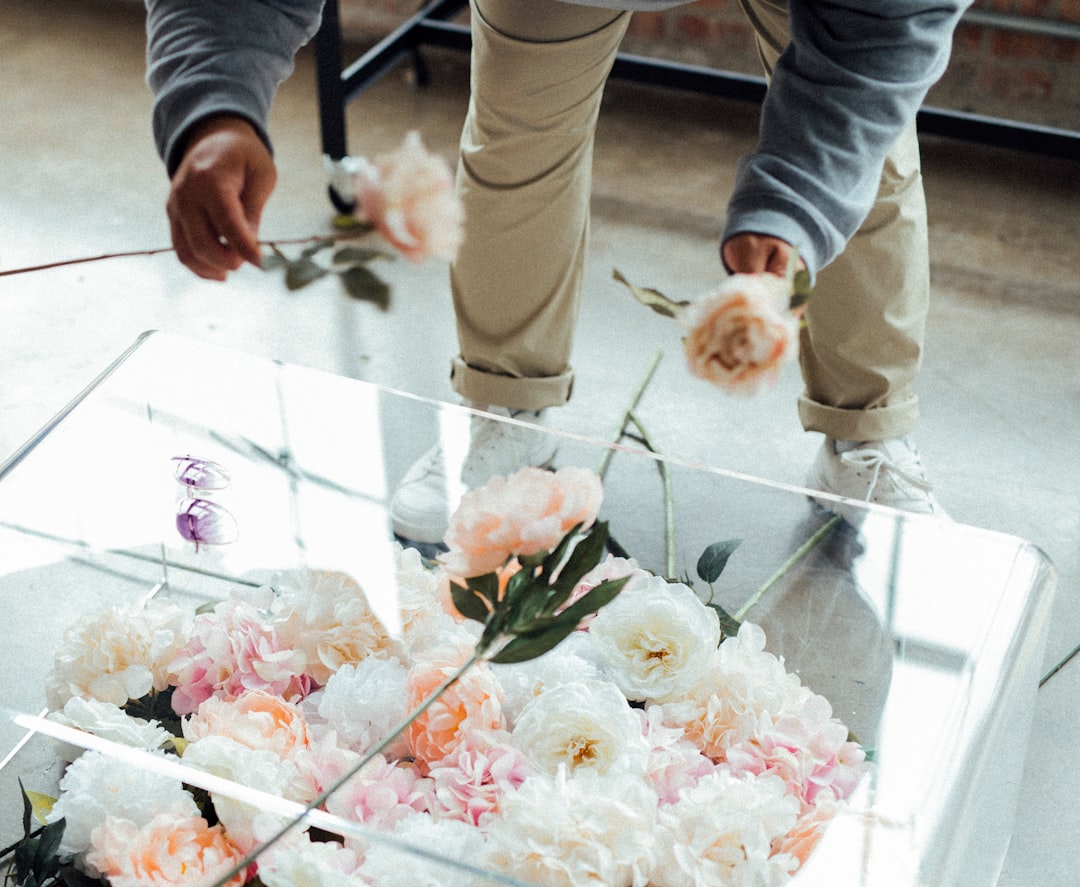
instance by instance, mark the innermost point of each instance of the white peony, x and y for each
(121, 654)
(425, 621)
(741, 684)
(254, 768)
(326, 616)
(96, 786)
(656, 639)
(579, 831)
(297, 861)
(524, 681)
(389, 865)
(109, 722)
(585, 725)
(720, 832)
(363, 703)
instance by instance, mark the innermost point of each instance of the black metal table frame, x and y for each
(431, 26)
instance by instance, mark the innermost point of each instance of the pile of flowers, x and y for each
(550, 712)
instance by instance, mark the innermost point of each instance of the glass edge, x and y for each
(26, 448)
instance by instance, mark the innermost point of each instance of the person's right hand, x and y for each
(750, 253)
(217, 197)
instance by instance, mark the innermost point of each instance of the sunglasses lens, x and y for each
(201, 474)
(205, 522)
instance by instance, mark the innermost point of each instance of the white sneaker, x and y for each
(421, 508)
(884, 472)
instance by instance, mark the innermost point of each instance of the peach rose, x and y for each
(471, 704)
(740, 337)
(166, 851)
(408, 196)
(258, 720)
(801, 840)
(529, 511)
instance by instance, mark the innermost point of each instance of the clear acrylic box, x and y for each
(926, 636)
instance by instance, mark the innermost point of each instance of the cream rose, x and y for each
(741, 336)
(582, 726)
(657, 640)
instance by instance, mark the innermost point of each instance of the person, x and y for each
(835, 175)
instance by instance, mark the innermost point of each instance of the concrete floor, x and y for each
(1000, 387)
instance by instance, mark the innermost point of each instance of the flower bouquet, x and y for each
(549, 714)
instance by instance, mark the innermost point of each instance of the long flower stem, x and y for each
(390, 738)
(314, 238)
(799, 554)
(669, 498)
(626, 419)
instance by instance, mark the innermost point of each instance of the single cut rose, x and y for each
(408, 197)
(741, 336)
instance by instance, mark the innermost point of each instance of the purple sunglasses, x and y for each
(199, 519)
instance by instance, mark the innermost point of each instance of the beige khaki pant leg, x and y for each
(525, 177)
(861, 348)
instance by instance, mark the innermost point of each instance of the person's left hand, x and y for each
(757, 254)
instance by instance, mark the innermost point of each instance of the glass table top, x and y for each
(925, 636)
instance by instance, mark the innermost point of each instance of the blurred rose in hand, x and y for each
(409, 198)
(740, 337)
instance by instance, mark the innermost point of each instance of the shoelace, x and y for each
(876, 460)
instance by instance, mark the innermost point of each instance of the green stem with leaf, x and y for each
(782, 571)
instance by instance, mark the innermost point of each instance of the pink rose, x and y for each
(527, 512)
(740, 337)
(234, 650)
(408, 196)
(470, 781)
(382, 794)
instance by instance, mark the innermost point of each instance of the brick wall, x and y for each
(1018, 59)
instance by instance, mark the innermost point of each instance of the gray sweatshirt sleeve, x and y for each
(208, 57)
(846, 87)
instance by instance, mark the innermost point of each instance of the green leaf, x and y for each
(41, 804)
(487, 586)
(316, 248)
(363, 284)
(802, 290)
(273, 260)
(72, 877)
(729, 625)
(714, 558)
(526, 597)
(469, 603)
(302, 272)
(587, 553)
(359, 255)
(49, 847)
(594, 599)
(529, 646)
(651, 298)
(28, 808)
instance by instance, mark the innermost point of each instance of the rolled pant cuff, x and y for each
(878, 423)
(515, 393)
